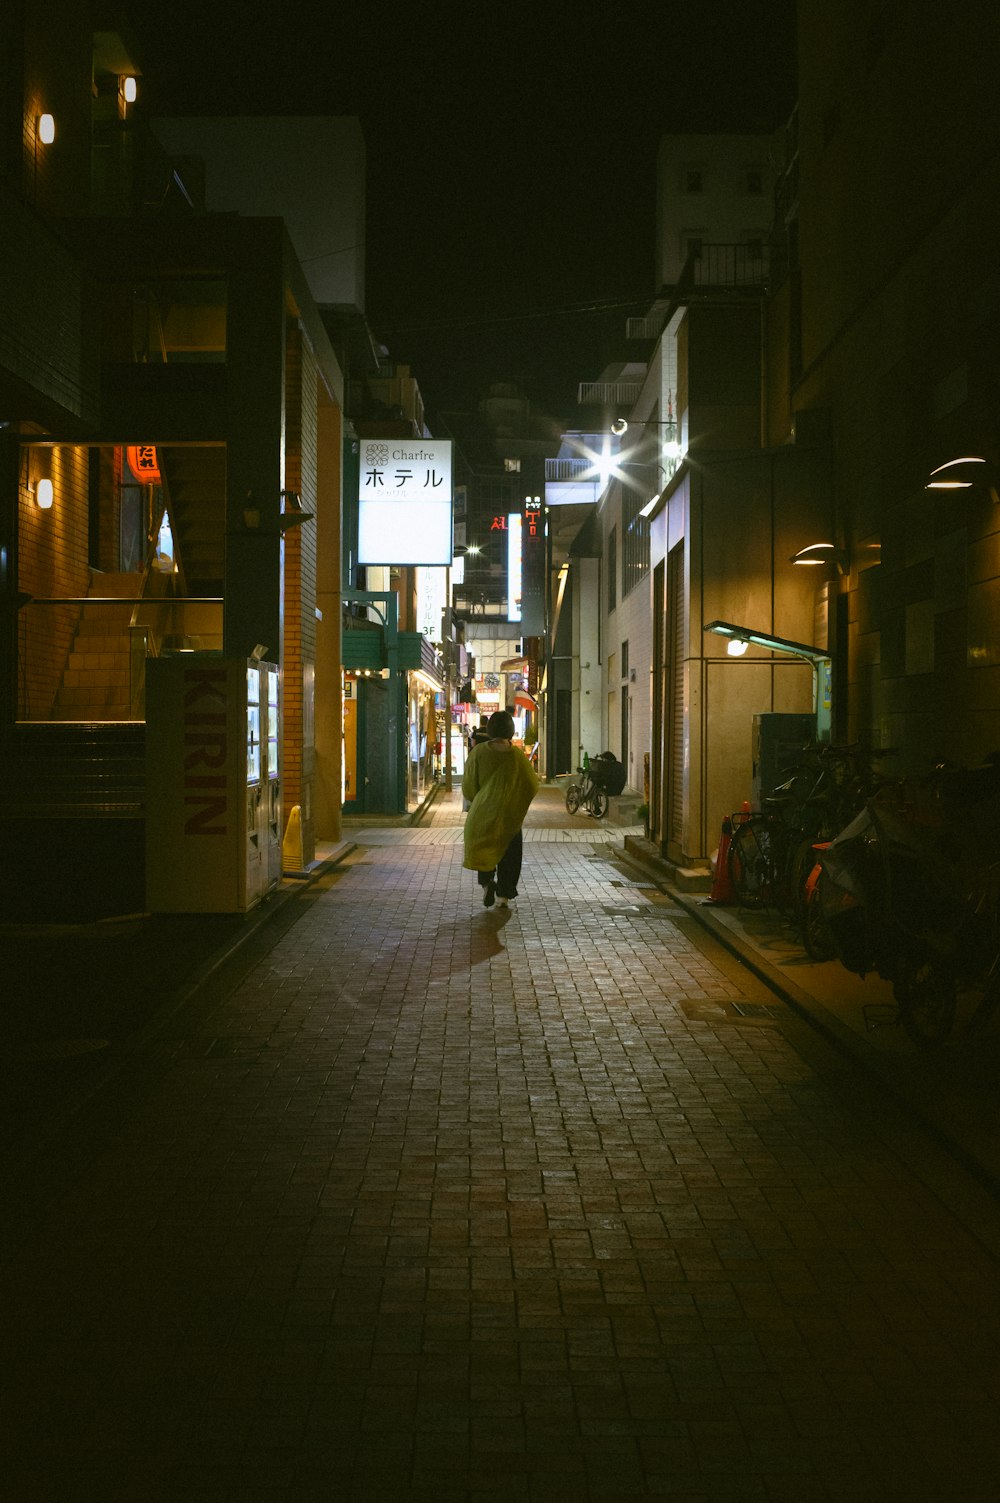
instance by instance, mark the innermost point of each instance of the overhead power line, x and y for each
(489, 320)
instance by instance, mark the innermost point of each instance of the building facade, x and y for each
(171, 466)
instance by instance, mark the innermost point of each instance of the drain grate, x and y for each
(759, 1010)
(734, 1012)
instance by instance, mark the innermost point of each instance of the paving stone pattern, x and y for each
(442, 1203)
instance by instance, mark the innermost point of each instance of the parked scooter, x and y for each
(907, 890)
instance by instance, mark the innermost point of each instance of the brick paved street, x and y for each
(430, 1202)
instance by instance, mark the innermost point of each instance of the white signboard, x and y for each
(404, 501)
(431, 600)
(514, 566)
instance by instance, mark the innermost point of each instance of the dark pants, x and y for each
(508, 870)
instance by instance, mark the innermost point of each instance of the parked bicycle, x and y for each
(910, 890)
(601, 779)
(773, 850)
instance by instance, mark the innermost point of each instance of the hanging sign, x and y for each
(144, 464)
(405, 501)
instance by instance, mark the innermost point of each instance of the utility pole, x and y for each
(449, 657)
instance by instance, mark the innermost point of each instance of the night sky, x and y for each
(511, 152)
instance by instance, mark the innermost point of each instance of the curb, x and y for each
(812, 1011)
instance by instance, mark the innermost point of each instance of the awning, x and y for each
(524, 701)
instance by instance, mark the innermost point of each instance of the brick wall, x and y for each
(298, 676)
(52, 561)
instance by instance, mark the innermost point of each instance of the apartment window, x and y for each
(635, 544)
(625, 659)
(612, 568)
(694, 180)
(512, 466)
(692, 242)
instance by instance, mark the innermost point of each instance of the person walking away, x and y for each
(479, 733)
(499, 783)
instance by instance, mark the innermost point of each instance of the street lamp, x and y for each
(818, 658)
(671, 444)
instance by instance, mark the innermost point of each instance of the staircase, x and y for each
(195, 482)
(78, 771)
(95, 684)
(73, 832)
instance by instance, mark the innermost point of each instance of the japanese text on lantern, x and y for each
(143, 462)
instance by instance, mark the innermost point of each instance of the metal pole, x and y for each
(448, 659)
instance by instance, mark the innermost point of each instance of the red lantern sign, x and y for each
(143, 463)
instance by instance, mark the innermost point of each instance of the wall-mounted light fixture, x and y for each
(964, 473)
(129, 89)
(817, 657)
(44, 494)
(736, 647)
(293, 515)
(815, 554)
(671, 444)
(46, 129)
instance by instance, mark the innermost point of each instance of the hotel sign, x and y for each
(405, 501)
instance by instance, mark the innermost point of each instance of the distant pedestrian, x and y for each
(499, 783)
(479, 733)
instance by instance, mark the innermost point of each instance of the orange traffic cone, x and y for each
(722, 888)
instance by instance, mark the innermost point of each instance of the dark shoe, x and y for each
(489, 894)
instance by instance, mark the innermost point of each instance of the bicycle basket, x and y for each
(608, 773)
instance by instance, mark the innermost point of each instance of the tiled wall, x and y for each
(52, 563)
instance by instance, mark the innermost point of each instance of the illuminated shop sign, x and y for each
(405, 501)
(143, 462)
(514, 566)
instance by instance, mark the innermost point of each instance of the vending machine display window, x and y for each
(272, 724)
(253, 725)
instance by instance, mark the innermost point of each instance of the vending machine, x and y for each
(213, 783)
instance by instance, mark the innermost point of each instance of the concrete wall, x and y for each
(900, 176)
(733, 204)
(588, 711)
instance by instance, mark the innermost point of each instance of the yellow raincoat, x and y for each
(499, 783)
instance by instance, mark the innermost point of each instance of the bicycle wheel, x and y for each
(572, 798)
(927, 1001)
(816, 936)
(751, 863)
(802, 859)
(598, 803)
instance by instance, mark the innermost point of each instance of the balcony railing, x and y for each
(718, 266)
(569, 469)
(650, 327)
(608, 393)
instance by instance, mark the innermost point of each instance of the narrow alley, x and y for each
(558, 1203)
